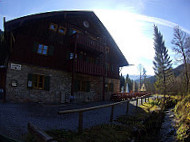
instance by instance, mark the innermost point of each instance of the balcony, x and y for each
(93, 69)
(112, 74)
(87, 43)
(88, 68)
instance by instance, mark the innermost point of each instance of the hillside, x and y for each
(177, 71)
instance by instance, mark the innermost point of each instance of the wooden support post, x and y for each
(137, 102)
(73, 68)
(127, 107)
(145, 98)
(111, 116)
(80, 128)
(141, 100)
(148, 98)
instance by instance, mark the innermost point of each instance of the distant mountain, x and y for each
(135, 77)
(178, 70)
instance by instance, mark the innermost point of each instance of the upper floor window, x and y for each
(62, 30)
(53, 27)
(42, 49)
(73, 31)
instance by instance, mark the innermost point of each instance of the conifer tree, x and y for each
(162, 62)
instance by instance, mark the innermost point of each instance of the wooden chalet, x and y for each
(63, 56)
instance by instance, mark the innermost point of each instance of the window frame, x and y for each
(83, 86)
(43, 45)
(110, 87)
(61, 27)
(36, 81)
(55, 25)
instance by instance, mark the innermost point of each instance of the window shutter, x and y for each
(88, 86)
(50, 50)
(35, 47)
(47, 83)
(29, 81)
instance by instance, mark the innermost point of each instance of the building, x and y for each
(58, 57)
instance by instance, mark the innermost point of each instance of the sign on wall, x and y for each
(15, 66)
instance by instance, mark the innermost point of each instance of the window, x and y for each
(53, 27)
(62, 30)
(83, 86)
(38, 81)
(109, 87)
(73, 31)
(42, 49)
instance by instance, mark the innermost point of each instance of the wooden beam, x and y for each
(73, 68)
(91, 108)
(40, 135)
(80, 127)
(111, 115)
(127, 107)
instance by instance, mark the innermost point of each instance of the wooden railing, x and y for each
(88, 43)
(88, 68)
(80, 111)
(40, 135)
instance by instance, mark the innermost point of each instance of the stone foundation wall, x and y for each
(116, 87)
(60, 85)
(96, 86)
(95, 93)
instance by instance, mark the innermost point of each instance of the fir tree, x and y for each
(162, 62)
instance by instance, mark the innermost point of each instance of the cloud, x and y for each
(159, 21)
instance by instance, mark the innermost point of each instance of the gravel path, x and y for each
(14, 117)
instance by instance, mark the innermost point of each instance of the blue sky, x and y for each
(130, 22)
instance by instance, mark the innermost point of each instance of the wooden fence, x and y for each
(80, 111)
(40, 135)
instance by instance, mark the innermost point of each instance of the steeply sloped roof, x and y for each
(15, 23)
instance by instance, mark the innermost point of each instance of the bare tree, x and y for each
(181, 42)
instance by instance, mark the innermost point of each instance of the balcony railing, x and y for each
(88, 42)
(92, 69)
(88, 68)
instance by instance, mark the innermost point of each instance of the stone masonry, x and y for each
(60, 85)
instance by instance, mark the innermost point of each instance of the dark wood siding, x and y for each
(90, 41)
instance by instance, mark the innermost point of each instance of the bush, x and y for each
(182, 112)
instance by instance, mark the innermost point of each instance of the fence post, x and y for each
(111, 116)
(127, 107)
(80, 128)
(136, 102)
